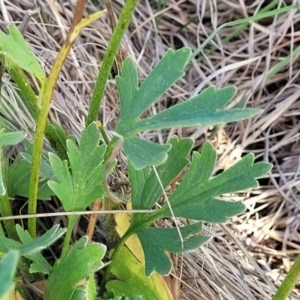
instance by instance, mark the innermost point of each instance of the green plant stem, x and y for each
(31, 101)
(121, 243)
(109, 58)
(40, 131)
(67, 240)
(45, 99)
(6, 211)
(5, 207)
(113, 257)
(20, 79)
(289, 282)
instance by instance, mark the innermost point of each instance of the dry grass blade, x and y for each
(269, 230)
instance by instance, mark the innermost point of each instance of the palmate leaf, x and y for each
(205, 109)
(134, 100)
(82, 184)
(197, 197)
(30, 248)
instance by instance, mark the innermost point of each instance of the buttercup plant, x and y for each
(77, 171)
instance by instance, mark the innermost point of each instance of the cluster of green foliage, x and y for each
(76, 173)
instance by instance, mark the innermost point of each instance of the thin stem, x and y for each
(30, 99)
(109, 58)
(43, 115)
(289, 282)
(67, 240)
(5, 206)
(243, 26)
(242, 21)
(113, 257)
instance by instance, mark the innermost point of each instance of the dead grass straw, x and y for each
(266, 236)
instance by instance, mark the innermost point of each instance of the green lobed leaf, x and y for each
(41, 242)
(30, 248)
(195, 197)
(8, 266)
(156, 241)
(135, 100)
(46, 171)
(84, 186)
(18, 176)
(61, 134)
(203, 110)
(39, 263)
(11, 138)
(14, 46)
(143, 153)
(145, 188)
(67, 279)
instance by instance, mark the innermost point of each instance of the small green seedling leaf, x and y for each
(14, 47)
(83, 184)
(142, 153)
(11, 138)
(6, 139)
(18, 176)
(30, 248)
(197, 197)
(135, 100)
(69, 274)
(8, 266)
(39, 263)
(40, 243)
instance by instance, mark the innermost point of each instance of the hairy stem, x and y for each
(113, 257)
(30, 99)
(5, 206)
(109, 58)
(289, 282)
(67, 240)
(43, 115)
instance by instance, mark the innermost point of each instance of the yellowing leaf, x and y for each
(13, 295)
(129, 268)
